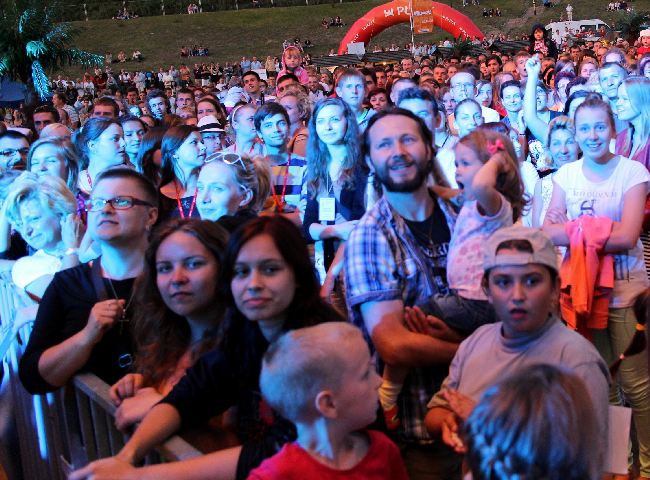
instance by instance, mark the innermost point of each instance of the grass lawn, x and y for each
(260, 32)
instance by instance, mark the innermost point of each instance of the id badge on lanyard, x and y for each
(326, 209)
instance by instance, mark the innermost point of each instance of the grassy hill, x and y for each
(260, 32)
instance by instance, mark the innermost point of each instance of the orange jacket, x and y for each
(587, 274)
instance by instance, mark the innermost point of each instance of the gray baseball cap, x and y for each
(544, 252)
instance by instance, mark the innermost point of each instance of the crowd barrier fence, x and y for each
(63, 430)
(66, 429)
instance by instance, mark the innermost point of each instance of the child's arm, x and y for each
(484, 184)
(335, 269)
(444, 422)
(537, 205)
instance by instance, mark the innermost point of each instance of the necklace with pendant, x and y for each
(123, 318)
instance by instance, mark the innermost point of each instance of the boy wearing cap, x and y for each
(521, 281)
(212, 134)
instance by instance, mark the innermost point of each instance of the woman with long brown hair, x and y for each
(268, 287)
(177, 291)
(183, 154)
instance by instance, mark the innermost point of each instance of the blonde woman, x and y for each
(42, 210)
(633, 106)
(296, 103)
(562, 148)
(232, 189)
(55, 156)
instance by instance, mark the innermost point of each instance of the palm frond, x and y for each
(35, 48)
(25, 19)
(31, 42)
(4, 65)
(84, 58)
(41, 82)
(60, 33)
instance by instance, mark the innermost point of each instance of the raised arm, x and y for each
(484, 184)
(536, 125)
(537, 205)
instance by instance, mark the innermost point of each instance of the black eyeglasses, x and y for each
(118, 203)
(10, 152)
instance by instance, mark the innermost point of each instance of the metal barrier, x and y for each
(63, 430)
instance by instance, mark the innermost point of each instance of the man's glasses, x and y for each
(228, 158)
(118, 203)
(10, 152)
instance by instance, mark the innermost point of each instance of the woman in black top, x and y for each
(335, 182)
(268, 285)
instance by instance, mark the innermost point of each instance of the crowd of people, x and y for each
(194, 51)
(492, 12)
(617, 6)
(124, 14)
(332, 22)
(369, 272)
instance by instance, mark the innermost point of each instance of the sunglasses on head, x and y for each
(228, 158)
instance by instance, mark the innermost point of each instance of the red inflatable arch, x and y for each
(380, 18)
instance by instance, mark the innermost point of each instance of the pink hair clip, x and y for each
(496, 146)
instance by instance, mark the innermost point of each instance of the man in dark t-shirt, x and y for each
(82, 320)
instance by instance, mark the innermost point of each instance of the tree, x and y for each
(462, 47)
(631, 24)
(32, 41)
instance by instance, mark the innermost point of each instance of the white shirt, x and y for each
(490, 115)
(605, 199)
(447, 162)
(28, 269)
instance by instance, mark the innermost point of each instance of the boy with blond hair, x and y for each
(322, 379)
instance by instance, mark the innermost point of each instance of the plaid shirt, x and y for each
(383, 261)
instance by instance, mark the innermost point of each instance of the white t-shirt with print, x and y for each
(605, 199)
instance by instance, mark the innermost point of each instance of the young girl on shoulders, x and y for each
(291, 63)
